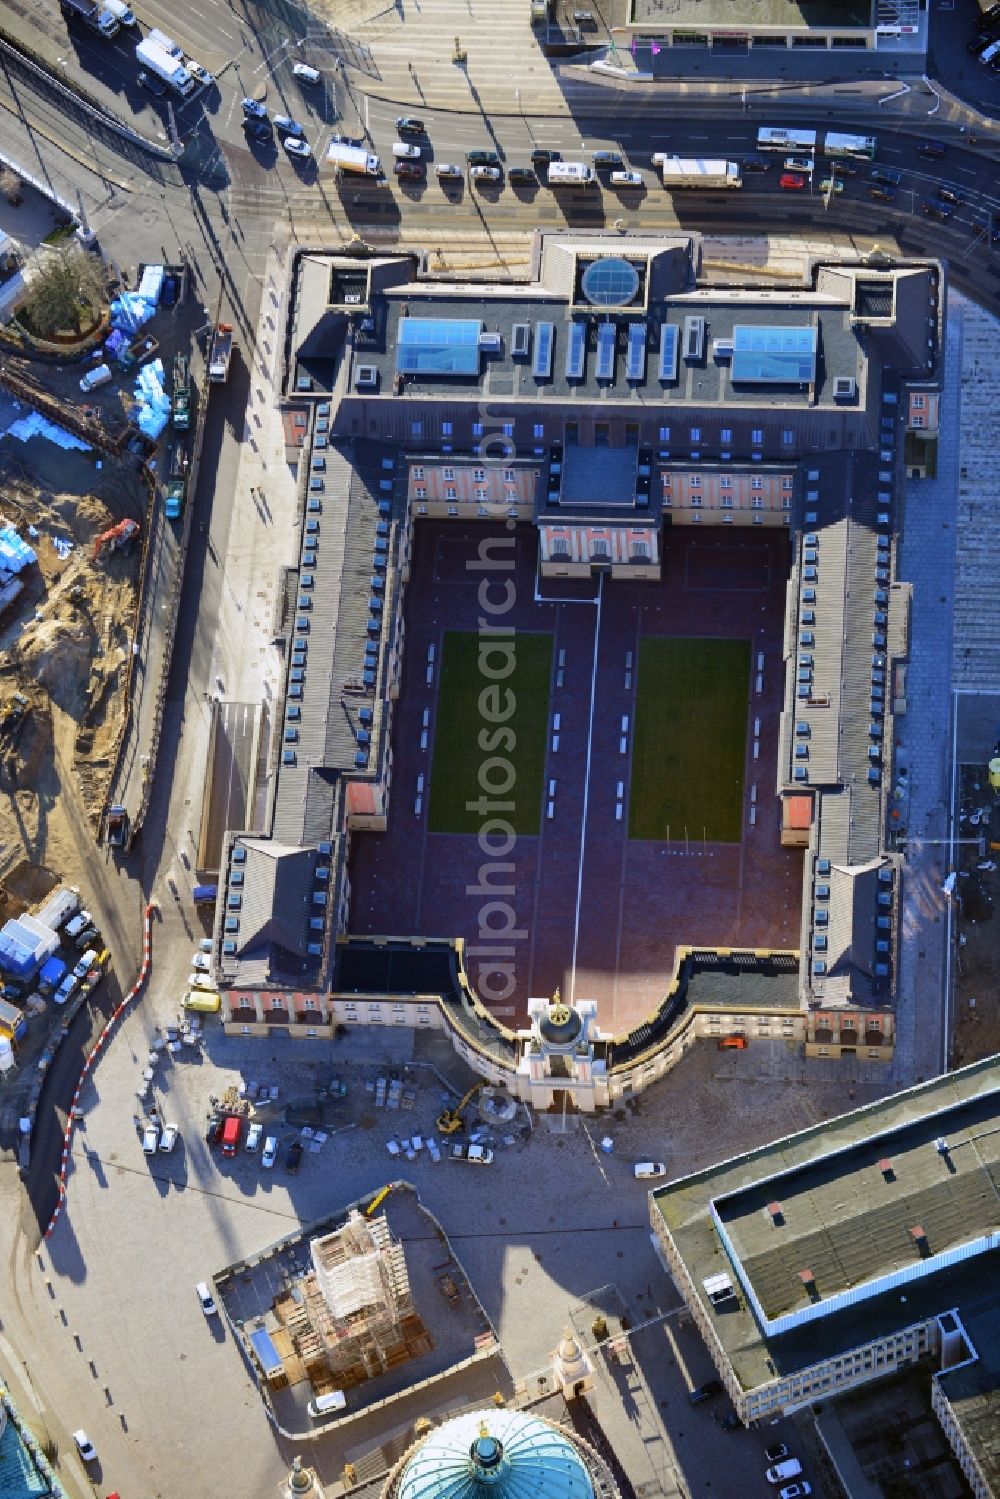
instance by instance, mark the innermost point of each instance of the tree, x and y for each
(10, 185)
(67, 284)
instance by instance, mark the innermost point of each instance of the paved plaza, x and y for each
(638, 901)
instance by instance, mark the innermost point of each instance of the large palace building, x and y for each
(606, 408)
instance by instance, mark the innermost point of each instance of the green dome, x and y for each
(495, 1454)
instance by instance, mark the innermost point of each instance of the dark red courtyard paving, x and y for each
(640, 901)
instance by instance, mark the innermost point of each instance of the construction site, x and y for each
(66, 648)
(357, 1313)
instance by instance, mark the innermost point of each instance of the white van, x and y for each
(647, 1170)
(121, 12)
(93, 378)
(570, 174)
(791, 1468)
(326, 1405)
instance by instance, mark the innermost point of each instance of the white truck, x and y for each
(476, 1155)
(158, 61)
(353, 159)
(697, 171)
(97, 17)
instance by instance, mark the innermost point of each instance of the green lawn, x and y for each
(690, 739)
(458, 751)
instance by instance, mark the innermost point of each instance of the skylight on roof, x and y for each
(773, 356)
(438, 346)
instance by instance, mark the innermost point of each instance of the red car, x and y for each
(791, 180)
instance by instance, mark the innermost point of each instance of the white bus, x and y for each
(857, 146)
(770, 138)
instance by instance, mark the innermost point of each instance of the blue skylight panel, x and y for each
(576, 352)
(774, 355)
(438, 346)
(635, 361)
(541, 366)
(606, 351)
(668, 352)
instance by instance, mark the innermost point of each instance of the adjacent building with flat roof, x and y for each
(836, 1256)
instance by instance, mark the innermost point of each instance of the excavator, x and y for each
(450, 1120)
(116, 536)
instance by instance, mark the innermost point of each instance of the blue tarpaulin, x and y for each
(267, 1355)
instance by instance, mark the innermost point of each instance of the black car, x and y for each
(755, 163)
(888, 175)
(607, 160)
(259, 130)
(212, 1129)
(932, 150)
(410, 125)
(540, 158)
(949, 195)
(937, 211)
(846, 167)
(777, 1453)
(731, 1422)
(522, 174)
(882, 194)
(294, 1156)
(705, 1391)
(482, 158)
(152, 85)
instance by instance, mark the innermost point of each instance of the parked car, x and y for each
(626, 179)
(604, 159)
(409, 171)
(253, 109)
(66, 989)
(542, 158)
(269, 1152)
(795, 1490)
(484, 158)
(293, 1157)
(86, 937)
(85, 964)
(288, 126)
(169, 1137)
(791, 181)
(704, 1392)
(295, 147)
(201, 961)
(151, 84)
(151, 1139)
(200, 980)
(258, 130)
(450, 173)
(254, 1135)
(85, 1446)
(405, 151)
(799, 164)
(410, 125)
(649, 1170)
(206, 1300)
(525, 175)
(205, 944)
(776, 1453)
(485, 174)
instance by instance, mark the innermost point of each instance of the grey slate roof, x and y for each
(278, 884)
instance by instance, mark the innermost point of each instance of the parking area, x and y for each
(539, 1232)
